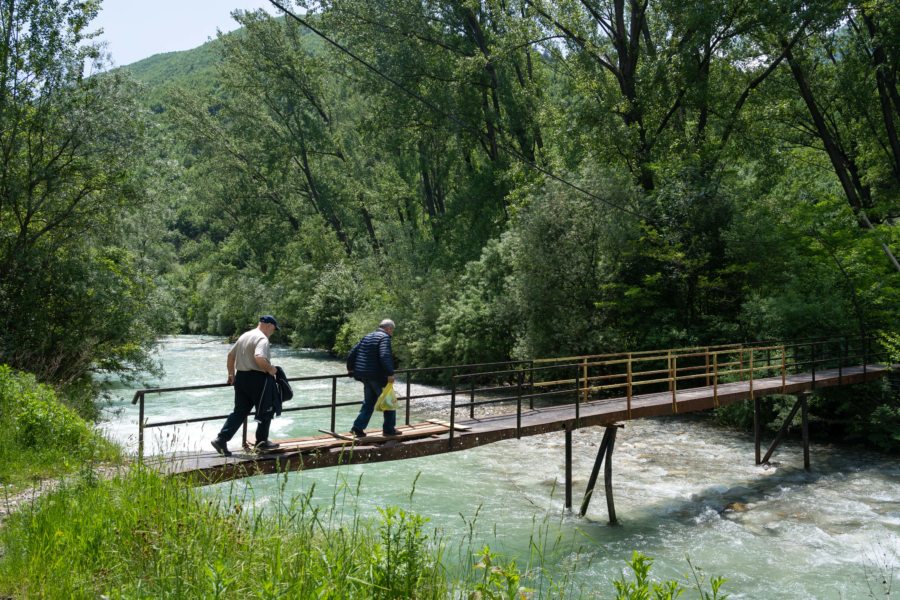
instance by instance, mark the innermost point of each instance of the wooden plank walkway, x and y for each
(430, 438)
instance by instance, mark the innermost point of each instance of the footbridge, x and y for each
(485, 403)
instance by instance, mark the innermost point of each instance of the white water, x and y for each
(828, 534)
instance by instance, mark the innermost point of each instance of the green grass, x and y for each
(40, 437)
(141, 536)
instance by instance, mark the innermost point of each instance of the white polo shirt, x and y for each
(250, 345)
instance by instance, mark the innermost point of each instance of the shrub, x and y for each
(39, 435)
(37, 417)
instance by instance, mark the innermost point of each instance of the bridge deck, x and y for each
(433, 437)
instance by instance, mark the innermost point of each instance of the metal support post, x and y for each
(598, 462)
(519, 377)
(568, 467)
(333, 403)
(784, 428)
(607, 478)
(757, 429)
(407, 397)
(531, 387)
(452, 409)
(804, 416)
(141, 427)
(604, 455)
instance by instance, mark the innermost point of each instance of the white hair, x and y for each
(386, 324)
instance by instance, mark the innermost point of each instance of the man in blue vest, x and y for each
(371, 362)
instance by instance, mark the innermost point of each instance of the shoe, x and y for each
(266, 446)
(221, 447)
(357, 432)
(394, 433)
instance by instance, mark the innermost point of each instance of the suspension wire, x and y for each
(457, 120)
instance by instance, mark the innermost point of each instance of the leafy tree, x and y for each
(849, 106)
(70, 295)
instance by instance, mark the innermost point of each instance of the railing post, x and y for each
(334, 403)
(669, 367)
(629, 380)
(472, 398)
(716, 379)
(578, 403)
(520, 378)
(577, 389)
(408, 392)
(813, 361)
(783, 368)
(840, 361)
(452, 408)
(586, 380)
(568, 483)
(141, 427)
(865, 349)
(706, 364)
(531, 387)
(751, 373)
(673, 383)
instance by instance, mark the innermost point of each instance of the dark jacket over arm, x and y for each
(269, 403)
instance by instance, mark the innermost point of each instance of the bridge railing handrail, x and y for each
(583, 372)
(741, 366)
(140, 396)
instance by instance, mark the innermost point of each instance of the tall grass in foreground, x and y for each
(139, 535)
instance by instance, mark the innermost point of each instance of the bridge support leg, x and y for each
(800, 403)
(804, 419)
(607, 479)
(757, 429)
(568, 467)
(605, 452)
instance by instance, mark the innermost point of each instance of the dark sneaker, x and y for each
(266, 446)
(357, 432)
(393, 433)
(221, 447)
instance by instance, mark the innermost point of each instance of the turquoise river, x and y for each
(832, 533)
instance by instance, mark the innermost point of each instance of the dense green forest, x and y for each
(504, 178)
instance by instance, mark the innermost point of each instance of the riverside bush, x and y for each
(40, 436)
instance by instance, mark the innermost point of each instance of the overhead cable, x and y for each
(457, 120)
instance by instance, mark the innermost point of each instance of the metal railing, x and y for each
(579, 379)
(404, 380)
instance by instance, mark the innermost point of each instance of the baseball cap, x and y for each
(269, 319)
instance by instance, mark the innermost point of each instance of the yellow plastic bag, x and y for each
(387, 400)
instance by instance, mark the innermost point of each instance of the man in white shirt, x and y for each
(252, 374)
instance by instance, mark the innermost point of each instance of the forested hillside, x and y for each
(540, 178)
(503, 178)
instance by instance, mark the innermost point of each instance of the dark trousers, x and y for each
(248, 389)
(372, 388)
